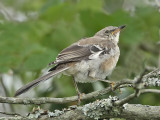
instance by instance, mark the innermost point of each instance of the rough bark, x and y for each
(102, 109)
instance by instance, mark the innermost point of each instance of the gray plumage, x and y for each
(87, 60)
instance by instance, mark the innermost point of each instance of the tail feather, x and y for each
(37, 81)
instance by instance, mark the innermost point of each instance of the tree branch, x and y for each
(105, 108)
(146, 79)
(12, 114)
(45, 100)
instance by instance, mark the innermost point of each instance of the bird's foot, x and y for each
(34, 109)
(79, 97)
(112, 85)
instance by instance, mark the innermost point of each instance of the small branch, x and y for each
(125, 100)
(126, 85)
(137, 86)
(45, 100)
(102, 109)
(152, 78)
(4, 87)
(105, 108)
(6, 93)
(132, 96)
(13, 114)
(150, 91)
(153, 73)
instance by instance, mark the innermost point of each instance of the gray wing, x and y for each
(75, 53)
(79, 51)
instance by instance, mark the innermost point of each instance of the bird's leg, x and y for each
(78, 92)
(112, 85)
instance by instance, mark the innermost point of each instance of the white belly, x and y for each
(92, 70)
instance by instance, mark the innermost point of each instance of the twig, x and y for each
(13, 114)
(137, 86)
(45, 100)
(126, 85)
(126, 99)
(150, 91)
(102, 109)
(132, 96)
(152, 73)
(5, 92)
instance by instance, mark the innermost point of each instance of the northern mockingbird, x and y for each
(88, 60)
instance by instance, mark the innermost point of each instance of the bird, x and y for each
(87, 60)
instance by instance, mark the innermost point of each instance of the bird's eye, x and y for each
(107, 31)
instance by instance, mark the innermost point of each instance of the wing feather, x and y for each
(73, 53)
(81, 50)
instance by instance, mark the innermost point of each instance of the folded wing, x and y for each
(82, 51)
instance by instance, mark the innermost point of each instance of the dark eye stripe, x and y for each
(107, 31)
(112, 30)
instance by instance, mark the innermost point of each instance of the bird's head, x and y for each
(110, 32)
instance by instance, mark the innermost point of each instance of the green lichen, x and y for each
(98, 108)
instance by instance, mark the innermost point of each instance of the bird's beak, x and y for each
(121, 27)
(118, 29)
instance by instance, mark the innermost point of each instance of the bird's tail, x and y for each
(37, 81)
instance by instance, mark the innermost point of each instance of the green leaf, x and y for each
(38, 60)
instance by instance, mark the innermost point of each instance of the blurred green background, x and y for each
(33, 32)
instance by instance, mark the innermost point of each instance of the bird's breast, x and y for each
(109, 64)
(92, 70)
